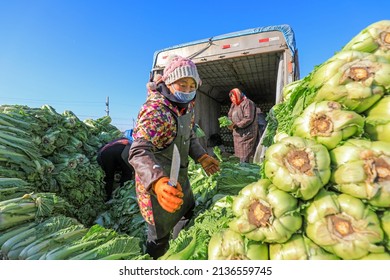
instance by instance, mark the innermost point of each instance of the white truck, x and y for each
(259, 61)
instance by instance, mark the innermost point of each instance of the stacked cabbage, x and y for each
(325, 187)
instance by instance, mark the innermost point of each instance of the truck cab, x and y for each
(259, 61)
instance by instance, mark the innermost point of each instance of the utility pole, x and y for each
(107, 106)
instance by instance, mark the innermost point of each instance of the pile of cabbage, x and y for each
(52, 189)
(56, 153)
(324, 191)
(333, 151)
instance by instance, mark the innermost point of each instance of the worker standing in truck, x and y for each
(243, 114)
(165, 119)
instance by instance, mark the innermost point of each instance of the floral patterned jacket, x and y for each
(155, 130)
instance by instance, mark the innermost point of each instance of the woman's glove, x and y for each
(170, 198)
(209, 164)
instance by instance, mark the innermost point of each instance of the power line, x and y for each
(125, 124)
(96, 117)
(121, 118)
(52, 101)
(88, 116)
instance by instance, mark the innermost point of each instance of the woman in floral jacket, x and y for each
(165, 119)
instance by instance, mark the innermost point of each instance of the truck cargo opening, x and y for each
(259, 61)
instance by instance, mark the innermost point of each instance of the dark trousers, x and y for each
(111, 161)
(156, 247)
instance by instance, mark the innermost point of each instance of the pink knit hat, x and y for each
(179, 67)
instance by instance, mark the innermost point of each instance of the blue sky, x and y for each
(72, 54)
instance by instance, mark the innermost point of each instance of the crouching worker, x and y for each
(113, 158)
(166, 119)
